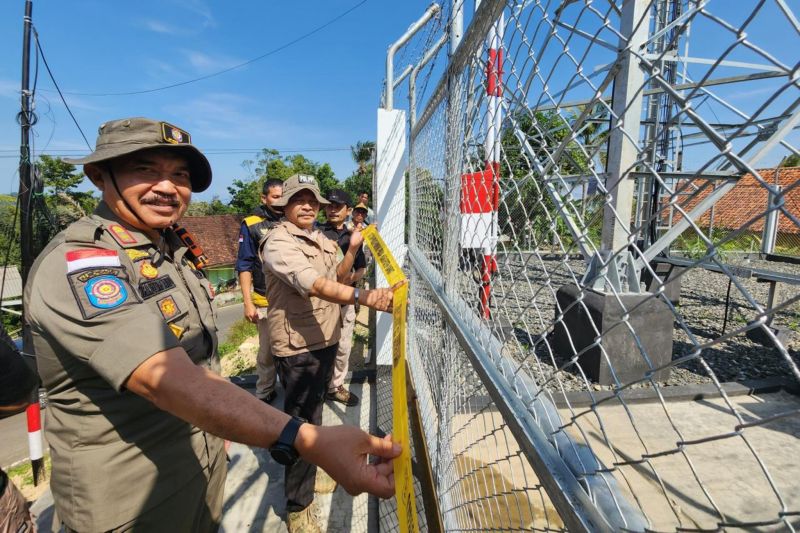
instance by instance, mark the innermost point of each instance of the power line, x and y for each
(7, 154)
(52, 78)
(240, 65)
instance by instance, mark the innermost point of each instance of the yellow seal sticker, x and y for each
(403, 477)
(177, 330)
(137, 255)
(148, 271)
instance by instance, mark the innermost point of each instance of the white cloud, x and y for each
(159, 26)
(205, 63)
(199, 8)
(231, 117)
(9, 89)
(199, 18)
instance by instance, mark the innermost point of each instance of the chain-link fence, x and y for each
(590, 346)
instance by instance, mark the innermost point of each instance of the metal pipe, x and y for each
(403, 75)
(432, 10)
(412, 80)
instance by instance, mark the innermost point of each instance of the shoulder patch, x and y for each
(252, 219)
(136, 255)
(90, 258)
(152, 287)
(121, 235)
(99, 290)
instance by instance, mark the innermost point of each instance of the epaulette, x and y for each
(85, 230)
(252, 219)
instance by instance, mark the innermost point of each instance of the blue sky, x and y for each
(320, 93)
(317, 96)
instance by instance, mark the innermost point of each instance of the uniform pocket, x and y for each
(308, 329)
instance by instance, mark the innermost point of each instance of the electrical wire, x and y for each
(53, 79)
(234, 67)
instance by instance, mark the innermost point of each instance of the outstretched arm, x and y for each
(174, 384)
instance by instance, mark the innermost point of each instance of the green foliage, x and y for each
(358, 182)
(363, 153)
(240, 331)
(246, 193)
(692, 246)
(65, 203)
(201, 208)
(792, 160)
(528, 202)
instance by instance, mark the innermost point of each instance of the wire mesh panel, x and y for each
(604, 302)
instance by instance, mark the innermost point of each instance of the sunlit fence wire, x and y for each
(602, 258)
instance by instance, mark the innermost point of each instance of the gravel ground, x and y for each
(524, 294)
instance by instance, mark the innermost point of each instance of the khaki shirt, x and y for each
(101, 299)
(293, 260)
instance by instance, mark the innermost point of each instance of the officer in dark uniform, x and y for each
(125, 336)
(335, 228)
(251, 280)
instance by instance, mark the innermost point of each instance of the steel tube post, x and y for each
(626, 117)
(412, 79)
(453, 141)
(770, 235)
(388, 100)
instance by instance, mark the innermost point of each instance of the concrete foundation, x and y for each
(665, 273)
(600, 314)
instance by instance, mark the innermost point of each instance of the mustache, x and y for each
(160, 199)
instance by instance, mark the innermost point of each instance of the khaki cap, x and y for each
(362, 207)
(296, 183)
(128, 135)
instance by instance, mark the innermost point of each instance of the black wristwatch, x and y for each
(283, 451)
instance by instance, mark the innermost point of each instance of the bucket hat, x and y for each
(128, 135)
(296, 183)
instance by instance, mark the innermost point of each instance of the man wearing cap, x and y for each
(125, 335)
(336, 212)
(251, 280)
(304, 321)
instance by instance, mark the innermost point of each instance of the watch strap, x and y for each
(289, 432)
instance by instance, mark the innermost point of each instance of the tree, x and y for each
(792, 160)
(201, 208)
(269, 164)
(63, 201)
(363, 153)
(527, 209)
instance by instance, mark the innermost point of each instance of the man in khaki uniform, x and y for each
(125, 336)
(304, 320)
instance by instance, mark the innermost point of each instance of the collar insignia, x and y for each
(121, 235)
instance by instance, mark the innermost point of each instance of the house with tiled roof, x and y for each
(218, 235)
(746, 203)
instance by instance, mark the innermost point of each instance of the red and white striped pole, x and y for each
(480, 191)
(494, 96)
(35, 447)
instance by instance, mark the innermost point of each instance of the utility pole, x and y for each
(26, 238)
(25, 167)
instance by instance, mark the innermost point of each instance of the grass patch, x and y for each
(22, 476)
(240, 331)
